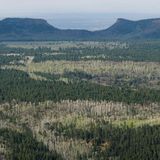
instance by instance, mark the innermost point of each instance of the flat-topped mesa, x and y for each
(25, 26)
(22, 29)
(20, 20)
(136, 21)
(123, 20)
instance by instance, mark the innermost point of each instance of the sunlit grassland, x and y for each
(68, 44)
(74, 115)
(146, 74)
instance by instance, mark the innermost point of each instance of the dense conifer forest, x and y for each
(81, 100)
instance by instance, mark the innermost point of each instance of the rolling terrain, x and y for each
(79, 100)
(27, 29)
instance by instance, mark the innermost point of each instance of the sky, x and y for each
(73, 12)
(59, 6)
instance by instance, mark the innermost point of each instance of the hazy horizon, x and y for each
(88, 21)
(84, 14)
(82, 6)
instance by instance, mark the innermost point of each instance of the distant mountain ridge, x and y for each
(21, 29)
(127, 29)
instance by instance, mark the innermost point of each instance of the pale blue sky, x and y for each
(62, 6)
(81, 14)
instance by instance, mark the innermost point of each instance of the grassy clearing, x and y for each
(65, 44)
(145, 74)
(52, 123)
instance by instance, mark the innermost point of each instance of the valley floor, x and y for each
(80, 100)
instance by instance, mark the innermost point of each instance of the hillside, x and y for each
(36, 29)
(127, 29)
(80, 100)
(13, 29)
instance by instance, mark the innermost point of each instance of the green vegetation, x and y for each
(18, 85)
(116, 143)
(131, 52)
(80, 100)
(147, 51)
(24, 147)
(84, 129)
(9, 59)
